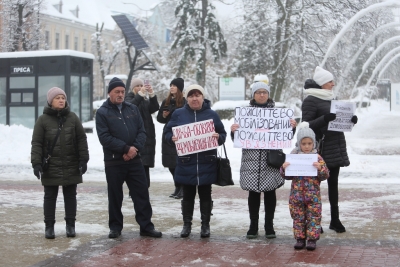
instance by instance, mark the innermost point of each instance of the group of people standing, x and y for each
(126, 131)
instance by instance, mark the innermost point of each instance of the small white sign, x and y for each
(195, 137)
(301, 165)
(344, 112)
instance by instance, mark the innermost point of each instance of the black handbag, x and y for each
(224, 172)
(275, 157)
(46, 159)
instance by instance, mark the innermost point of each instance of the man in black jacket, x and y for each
(121, 133)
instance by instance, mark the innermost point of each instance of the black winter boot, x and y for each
(205, 210)
(175, 192)
(179, 195)
(336, 224)
(269, 228)
(187, 213)
(49, 230)
(253, 230)
(70, 227)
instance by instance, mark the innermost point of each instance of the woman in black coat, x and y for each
(59, 135)
(174, 100)
(332, 145)
(144, 98)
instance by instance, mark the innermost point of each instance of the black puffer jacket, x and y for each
(333, 145)
(168, 151)
(71, 146)
(146, 108)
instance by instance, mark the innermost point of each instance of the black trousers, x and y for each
(333, 190)
(135, 178)
(147, 172)
(50, 199)
(189, 192)
(254, 201)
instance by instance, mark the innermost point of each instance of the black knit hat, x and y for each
(178, 82)
(115, 82)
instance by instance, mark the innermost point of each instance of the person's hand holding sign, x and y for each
(234, 127)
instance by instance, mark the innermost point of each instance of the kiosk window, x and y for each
(27, 97)
(22, 82)
(15, 97)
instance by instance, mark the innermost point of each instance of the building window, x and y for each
(47, 38)
(66, 41)
(84, 45)
(57, 41)
(76, 44)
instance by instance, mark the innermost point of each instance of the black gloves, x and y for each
(329, 117)
(38, 171)
(82, 167)
(354, 119)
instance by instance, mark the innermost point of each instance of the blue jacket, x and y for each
(118, 130)
(198, 168)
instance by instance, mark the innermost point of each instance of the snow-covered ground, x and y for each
(373, 146)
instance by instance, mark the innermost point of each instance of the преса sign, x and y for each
(27, 69)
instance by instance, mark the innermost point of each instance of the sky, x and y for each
(373, 147)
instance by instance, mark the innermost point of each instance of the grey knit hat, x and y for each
(259, 85)
(305, 131)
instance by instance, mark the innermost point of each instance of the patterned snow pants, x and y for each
(305, 209)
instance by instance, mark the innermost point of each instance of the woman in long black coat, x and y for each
(332, 145)
(174, 100)
(144, 98)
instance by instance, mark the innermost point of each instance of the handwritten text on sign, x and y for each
(344, 112)
(263, 128)
(301, 165)
(195, 137)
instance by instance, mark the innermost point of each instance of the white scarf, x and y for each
(323, 94)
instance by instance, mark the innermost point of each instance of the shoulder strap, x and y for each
(60, 125)
(226, 156)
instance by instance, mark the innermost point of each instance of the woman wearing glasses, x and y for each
(256, 175)
(144, 98)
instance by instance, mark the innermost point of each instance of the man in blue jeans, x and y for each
(121, 132)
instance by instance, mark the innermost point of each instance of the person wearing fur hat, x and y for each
(58, 135)
(305, 197)
(122, 134)
(143, 96)
(256, 176)
(174, 100)
(196, 171)
(316, 111)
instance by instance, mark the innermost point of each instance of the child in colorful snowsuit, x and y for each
(305, 198)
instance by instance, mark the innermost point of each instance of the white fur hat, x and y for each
(322, 76)
(303, 131)
(259, 85)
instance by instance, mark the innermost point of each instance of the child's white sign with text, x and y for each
(344, 112)
(301, 165)
(195, 137)
(263, 128)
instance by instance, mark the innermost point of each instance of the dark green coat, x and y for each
(71, 146)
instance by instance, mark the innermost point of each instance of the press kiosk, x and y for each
(25, 78)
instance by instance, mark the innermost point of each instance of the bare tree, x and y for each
(21, 25)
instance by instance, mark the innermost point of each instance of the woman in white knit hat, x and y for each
(256, 176)
(332, 145)
(59, 136)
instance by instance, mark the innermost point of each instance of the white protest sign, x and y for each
(263, 128)
(344, 112)
(195, 137)
(301, 165)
